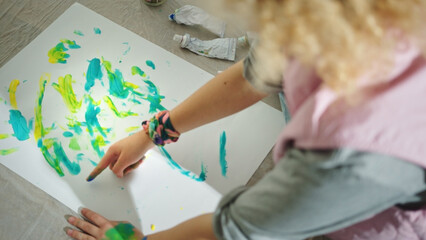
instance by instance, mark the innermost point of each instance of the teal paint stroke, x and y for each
(91, 117)
(58, 53)
(67, 134)
(94, 72)
(150, 64)
(153, 97)
(75, 127)
(117, 85)
(222, 154)
(97, 30)
(202, 177)
(59, 157)
(128, 48)
(80, 157)
(72, 167)
(31, 123)
(19, 125)
(97, 143)
(78, 32)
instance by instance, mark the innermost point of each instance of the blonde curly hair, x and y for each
(341, 39)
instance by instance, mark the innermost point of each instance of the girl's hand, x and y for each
(124, 156)
(94, 227)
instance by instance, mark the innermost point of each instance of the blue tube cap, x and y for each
(172, 17)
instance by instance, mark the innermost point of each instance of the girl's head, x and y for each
(341, 39)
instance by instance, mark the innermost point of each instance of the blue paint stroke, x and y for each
(94, 72)
(128, 48)
(96, 30)
(222, 154)
(92, 121)
(67, 134)
(173, 164)
(19, 124)
(150, 64)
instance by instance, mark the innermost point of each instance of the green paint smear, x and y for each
(96, 30)
(97, 143)
(121, 231)
(4, 135)
(94, 72)
(175, 165)
(58, 53)
(74, 144)
(137, 70)
(64, 87)
(78, 32)
(5, 152)
(19, 125)
(150, 64)
(114, 109)
(92, 121)
(222, 154)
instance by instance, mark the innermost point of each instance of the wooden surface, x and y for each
(26, 212)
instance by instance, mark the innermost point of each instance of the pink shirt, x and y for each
(391, 120)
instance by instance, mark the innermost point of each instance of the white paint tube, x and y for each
(222, 48)
(192, 16)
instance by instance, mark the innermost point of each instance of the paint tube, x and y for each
(247, 40)
(223, 48)
(192, 16)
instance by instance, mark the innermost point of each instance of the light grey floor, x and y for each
(26, 212)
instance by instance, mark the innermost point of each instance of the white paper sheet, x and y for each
(156, 193)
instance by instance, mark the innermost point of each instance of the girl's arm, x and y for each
(225, 94)
(222, 96)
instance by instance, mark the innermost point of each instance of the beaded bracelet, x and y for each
(160, 129)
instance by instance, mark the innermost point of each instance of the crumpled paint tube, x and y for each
(222, 48)
(192, 16)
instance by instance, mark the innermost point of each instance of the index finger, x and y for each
(105, 161)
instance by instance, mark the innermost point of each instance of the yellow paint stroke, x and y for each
(12, 91)
(114, 109)
(4, 152)
(131, 129)
(39, 130)
(64, 87)
(4, 135)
